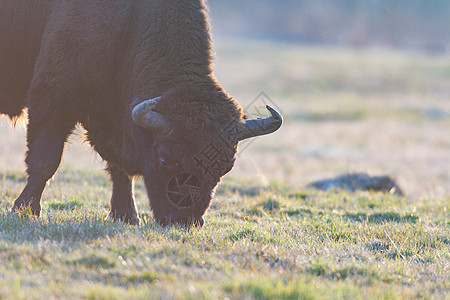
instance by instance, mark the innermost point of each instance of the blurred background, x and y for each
(364, 86)
(402, 24)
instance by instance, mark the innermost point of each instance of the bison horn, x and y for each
(144, 116)
(257, 127)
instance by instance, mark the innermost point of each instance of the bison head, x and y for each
(185, 154)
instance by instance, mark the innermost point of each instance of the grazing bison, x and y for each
(96, 63)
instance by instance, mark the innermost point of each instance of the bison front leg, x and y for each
(45, 147)
(123, 206)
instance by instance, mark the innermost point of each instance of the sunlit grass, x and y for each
(271, 241)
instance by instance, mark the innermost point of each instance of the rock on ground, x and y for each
(359, 182)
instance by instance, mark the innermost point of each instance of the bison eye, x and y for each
(164, 162)
(167, 164)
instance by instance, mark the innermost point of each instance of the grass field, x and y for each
(266, 236)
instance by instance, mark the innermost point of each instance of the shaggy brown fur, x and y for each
(90, 62)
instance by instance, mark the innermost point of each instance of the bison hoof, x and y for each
(133, 220)
(24, 209)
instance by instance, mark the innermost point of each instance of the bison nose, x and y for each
(179, 219)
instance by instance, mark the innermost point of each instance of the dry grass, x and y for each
(258, 242)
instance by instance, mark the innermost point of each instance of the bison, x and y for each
(96, 63)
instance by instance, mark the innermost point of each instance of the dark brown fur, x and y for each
(90, 62)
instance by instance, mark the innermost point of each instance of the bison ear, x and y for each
(144, 116)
